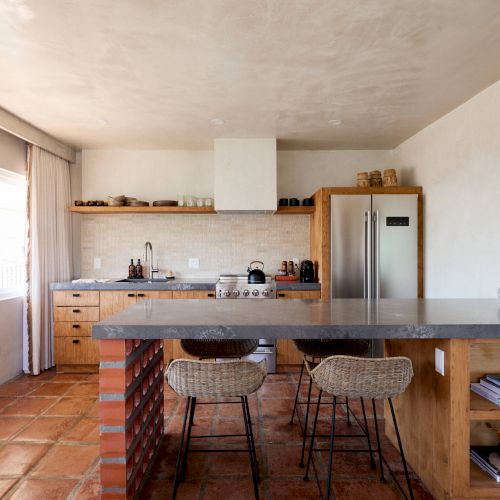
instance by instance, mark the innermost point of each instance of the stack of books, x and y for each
(488, 458)
(489, 388)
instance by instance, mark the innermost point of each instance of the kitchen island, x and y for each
(438, 416)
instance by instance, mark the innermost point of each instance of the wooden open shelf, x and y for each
(177, 210)
(482, 409)
(295, 210)
(481, 484)
(143, 210)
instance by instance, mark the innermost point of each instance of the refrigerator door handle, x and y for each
(376, 255)
(368, 287)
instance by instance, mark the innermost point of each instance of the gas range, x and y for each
(236, 286)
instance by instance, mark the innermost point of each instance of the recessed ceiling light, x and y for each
(217, 121)
(335, 122)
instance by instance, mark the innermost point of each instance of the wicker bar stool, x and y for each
(208, 379)
(364, 378)
(314, 351)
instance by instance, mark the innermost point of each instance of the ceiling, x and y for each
(153, 73)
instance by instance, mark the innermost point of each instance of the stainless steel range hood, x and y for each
(245, 172)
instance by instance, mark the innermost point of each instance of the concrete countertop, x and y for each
(175, 284)
(339, 318)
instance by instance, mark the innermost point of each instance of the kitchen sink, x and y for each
(145, 280)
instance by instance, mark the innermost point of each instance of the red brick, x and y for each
(113, 444)
(113, 412)
(112, 350)
(112, 381)
(113, 476)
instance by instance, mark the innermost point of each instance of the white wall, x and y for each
(11, 338)
(75, 173)
(13, 158)
(146, 174)
(160, 174)
(457, 161)
(301, 173)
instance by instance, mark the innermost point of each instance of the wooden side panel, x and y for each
(76, 350)
(75, 297)
(72, 329)
(320, 240)
(193, 294)
(424, 413)
(112, 302)
(76, 313)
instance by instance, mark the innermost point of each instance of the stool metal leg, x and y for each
(251, 449)
(306, 475)
(252, 438)
(379, 447)
(306, 421)
(297, 393)
(403, 459)
(330, 457)
(347, 408)
(179, 454)
(190, 426)
(367, 432)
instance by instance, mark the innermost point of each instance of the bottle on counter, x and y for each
(138, 270)
(291, 268)
(131, 269)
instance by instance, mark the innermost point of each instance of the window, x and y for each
(12, 230)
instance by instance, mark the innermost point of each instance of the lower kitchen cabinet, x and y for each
(286, 352)
(75, 311)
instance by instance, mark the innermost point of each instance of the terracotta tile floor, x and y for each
(49, 446)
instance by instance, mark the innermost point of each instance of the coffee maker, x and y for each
(307, 274)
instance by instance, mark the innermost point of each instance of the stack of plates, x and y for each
(136, 203)
(164, 203)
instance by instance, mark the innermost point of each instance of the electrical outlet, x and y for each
(194, 263)
(97, 262)
(439, 361)
(296, 261)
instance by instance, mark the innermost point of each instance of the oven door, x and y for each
(266, 351)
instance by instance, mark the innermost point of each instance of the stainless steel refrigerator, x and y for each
(374, 246)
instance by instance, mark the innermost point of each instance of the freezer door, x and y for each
(348, 239)
(395, 245)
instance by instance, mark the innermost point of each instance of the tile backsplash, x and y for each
(223, 243)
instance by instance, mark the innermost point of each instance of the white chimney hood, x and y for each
(245, 175)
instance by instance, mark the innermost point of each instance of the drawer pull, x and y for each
(76, 341)
(211, 294)
(76, 310)
(76, 326)
(76, 295)
(131, 295)
(281, 295)
(141, 295)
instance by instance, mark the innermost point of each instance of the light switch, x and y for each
(194, 263)
(439, 360)
(97, 263)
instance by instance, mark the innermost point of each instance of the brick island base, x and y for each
(130, 414)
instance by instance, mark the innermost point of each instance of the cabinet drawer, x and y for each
(299, 294)
(76, 313)
(76, 351)
(72, 329)
(193, 294)
(76, 298)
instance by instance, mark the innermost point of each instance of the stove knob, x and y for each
(255, 293)
(236, 293)
(226, 293)
(265, 293)
(246, 293)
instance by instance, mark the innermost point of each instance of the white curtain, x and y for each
(49, 249)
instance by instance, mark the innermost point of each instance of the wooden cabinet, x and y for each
(299, 294)
(193, 294)
(75, 311)
(74, 314)
(286, 352)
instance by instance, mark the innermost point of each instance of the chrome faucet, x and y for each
(152, 269)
